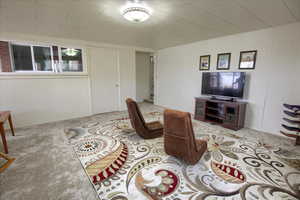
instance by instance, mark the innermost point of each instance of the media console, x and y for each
(225, 113)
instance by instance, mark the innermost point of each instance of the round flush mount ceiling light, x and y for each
(136, 13)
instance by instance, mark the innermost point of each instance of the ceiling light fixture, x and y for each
(136, 13)
(70, 52)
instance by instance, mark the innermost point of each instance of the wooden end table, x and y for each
(5, 115)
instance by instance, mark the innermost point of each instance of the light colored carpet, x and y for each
(46, 167)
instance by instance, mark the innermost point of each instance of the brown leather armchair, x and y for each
(179, 137)
(145, 130)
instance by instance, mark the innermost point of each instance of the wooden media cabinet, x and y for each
(229, 114)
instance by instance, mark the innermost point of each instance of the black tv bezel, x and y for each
(217, 95)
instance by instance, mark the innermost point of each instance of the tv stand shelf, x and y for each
(229, 114)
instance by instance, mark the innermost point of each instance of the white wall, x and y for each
(143, 87)
(127, 76)
(40, 99)
(273, 82)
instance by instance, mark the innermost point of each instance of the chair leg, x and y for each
(11, 125)
(9, 161)
(3, 138)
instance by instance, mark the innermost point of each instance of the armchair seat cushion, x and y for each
(154, 125)
(145, 130)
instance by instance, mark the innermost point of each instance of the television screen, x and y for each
(230, 84)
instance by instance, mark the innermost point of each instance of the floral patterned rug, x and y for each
(123, 166)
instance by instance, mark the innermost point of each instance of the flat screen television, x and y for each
(228, 84)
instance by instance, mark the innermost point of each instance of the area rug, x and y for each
(123, 166)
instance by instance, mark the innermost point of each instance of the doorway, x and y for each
(144, 77)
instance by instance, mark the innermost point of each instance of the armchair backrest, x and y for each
(178, 134)
(135, 115)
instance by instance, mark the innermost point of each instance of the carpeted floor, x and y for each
(238, 164)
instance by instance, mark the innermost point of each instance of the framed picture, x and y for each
(223, 62)
(247, 59)
(204, 63)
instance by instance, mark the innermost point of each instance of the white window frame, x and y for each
(13, 59)
(51, 52)
(55, 71)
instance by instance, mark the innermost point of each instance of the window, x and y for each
(71, 60)
(17, 57)
(42, 58)
(22, 58)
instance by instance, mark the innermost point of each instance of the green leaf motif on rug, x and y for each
(229, 154)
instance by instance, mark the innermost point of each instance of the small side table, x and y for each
(5, 115)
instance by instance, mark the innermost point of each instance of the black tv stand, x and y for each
(231, 99)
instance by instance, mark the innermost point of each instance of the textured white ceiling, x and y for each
(173, 22)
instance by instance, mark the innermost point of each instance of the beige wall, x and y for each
(36, 99)
(44, 99)
(143, 87)
(272, 83)
(127, 75)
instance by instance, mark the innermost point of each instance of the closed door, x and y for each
(104, 80)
